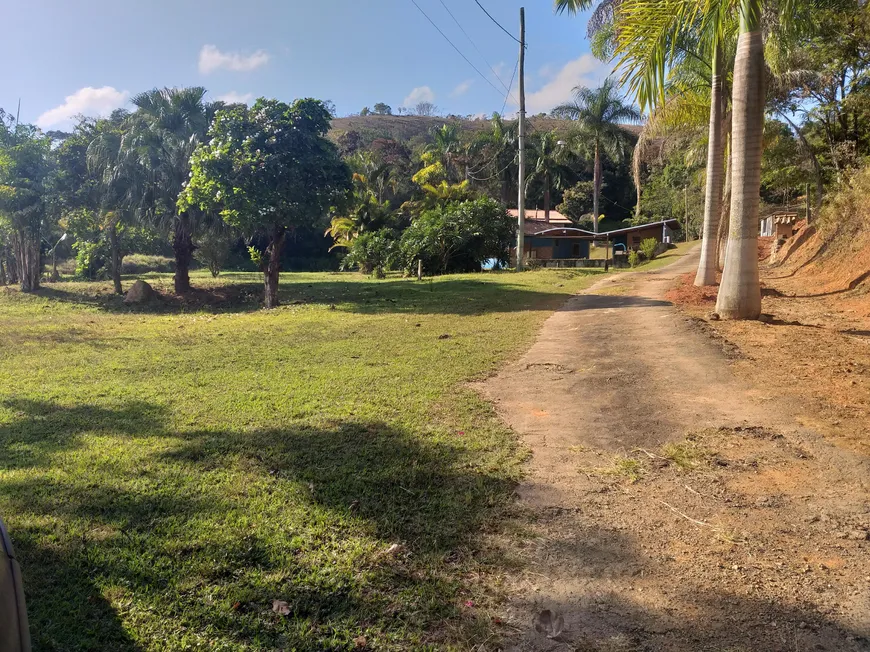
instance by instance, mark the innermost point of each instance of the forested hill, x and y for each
(414, 129)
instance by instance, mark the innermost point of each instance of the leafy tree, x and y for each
(445, 146)
(25, 169)
(498, 147)
(458, 236)
(382, 109)
(350, 142)
(365, 111)
(268, 169)
(162, 135)
(577, 201)
(599, 114)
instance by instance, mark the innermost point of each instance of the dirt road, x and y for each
(670, 503)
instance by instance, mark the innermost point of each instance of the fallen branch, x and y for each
(685, 516)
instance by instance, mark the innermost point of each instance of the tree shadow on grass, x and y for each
(40, 429)
(433, 296)
(202, 534)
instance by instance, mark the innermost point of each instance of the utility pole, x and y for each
(521, 201)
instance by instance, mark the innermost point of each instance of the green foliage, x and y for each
(382, 109)
(268, 167)
(635, 258)
(577, 201)
(213, 250)
(371, 252)
(457, 236)
(648, 248)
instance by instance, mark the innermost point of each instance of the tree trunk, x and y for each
(115, 246)
(3, 280)
(740, 292)
(715, 161)
(725, 218)
(596, 189)
(182, 245)
(28, 259)
(546, 197)
(272, 266)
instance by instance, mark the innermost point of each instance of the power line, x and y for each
(513, 76)
(458, 51)
(474, 45)
(496, 22)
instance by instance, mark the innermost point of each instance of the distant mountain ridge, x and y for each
(414, 129)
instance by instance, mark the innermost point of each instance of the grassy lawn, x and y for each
(670, 256)
(167, 472)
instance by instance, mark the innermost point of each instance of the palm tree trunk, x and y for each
(116, 255)
(725, 219)
(546, 197)
(740, 292)
(596, 188)
(715, 160)
(272, 267)
(182, 245)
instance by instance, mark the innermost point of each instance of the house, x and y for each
(559, 243)
(780, 224)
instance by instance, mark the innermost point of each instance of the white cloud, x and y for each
(419, 94)
(585, 71)
(462, 88)
(234, 97)
(85, 101)
(211, 59)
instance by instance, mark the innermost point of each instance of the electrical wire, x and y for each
(474, 45)
(514, 76)
(497, 23)
(500, 172)
(458, 51)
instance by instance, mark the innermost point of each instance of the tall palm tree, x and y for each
(668, 48)
(164, 131)
(600, 114)
(549, 157)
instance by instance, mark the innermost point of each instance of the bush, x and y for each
(143, 263)
(213, 251)
(635, 258)
(648, 248)
(371, 252)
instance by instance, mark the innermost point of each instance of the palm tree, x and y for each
(549, 165)
(600, 114)
(163, 133)
(120, 184)
(498, 149)
(672, 48)
(446, 145)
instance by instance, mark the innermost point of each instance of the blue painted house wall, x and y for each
(562, 247)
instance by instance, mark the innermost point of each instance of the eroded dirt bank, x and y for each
(679, 498)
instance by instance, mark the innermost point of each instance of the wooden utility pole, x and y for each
(521, 201)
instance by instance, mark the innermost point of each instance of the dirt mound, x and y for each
(685, 293)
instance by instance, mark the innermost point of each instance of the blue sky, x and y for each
(64, 58)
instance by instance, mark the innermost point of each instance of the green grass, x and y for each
(167, 471)
(668, 257)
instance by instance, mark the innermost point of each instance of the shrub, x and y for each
(213, 251)
(371, 252)
(634, 258)
(143, 263)
(648, 248)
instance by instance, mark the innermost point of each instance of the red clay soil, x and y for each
(815, 345)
